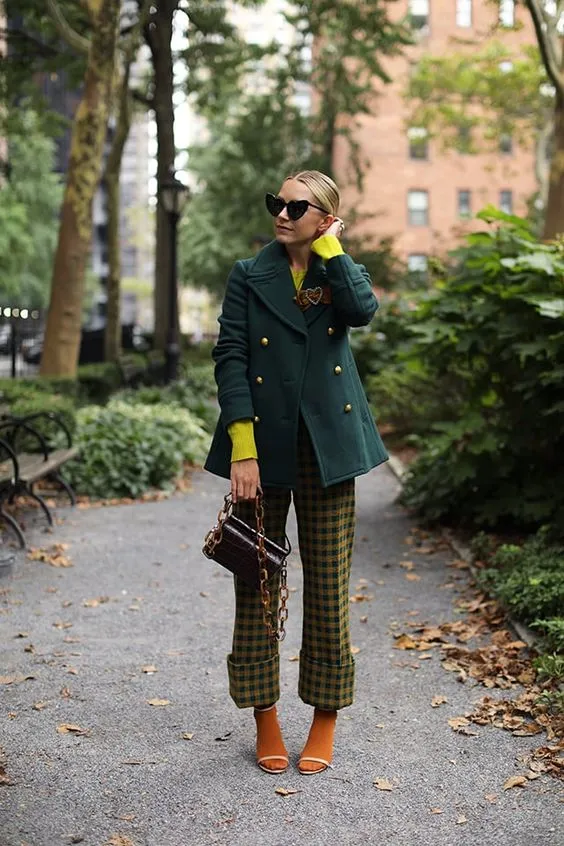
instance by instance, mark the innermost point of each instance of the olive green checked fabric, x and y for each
(326, 520)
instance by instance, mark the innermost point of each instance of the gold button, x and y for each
(264, 342)
(330, 331)
(338, 370)
(348, 407)
(257, 419)
(259, 380)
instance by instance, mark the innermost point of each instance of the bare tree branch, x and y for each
(74, 39)
(548, 46)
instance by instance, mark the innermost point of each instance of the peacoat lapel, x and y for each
(270, 278)
(316, 277)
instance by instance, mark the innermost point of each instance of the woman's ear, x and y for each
(325, 224)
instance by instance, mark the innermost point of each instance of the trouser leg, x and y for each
(326, 520)
(253, 664)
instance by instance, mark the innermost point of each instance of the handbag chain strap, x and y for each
(277, 632)
(214, 537)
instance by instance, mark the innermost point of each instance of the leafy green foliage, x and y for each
(29, 209)
(128, 449)
(552, 633)
(196, 395)
(493, 332)
(510, 90)
(528, 579)
(97, 382)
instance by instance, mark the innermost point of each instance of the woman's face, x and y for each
(307, 228)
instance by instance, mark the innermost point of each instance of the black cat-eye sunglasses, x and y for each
(295, 208)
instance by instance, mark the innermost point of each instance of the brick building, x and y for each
(420, 195)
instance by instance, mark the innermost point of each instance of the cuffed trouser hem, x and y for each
(254, 684)
(327, 686)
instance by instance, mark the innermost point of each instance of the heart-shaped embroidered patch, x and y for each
(313, 295)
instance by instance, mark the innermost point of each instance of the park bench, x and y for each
(21, 469)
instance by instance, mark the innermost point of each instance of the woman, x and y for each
(295, 421)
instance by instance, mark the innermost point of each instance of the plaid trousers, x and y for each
(326, 522)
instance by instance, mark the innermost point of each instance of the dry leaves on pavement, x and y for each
(71, 728)
(53, 555)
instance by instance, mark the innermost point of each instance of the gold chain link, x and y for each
(213, 538)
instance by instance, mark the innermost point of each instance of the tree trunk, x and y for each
(158, 35)
(112, 337)
(62, 333)
(554, 217)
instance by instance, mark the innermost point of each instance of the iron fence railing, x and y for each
(21, 335)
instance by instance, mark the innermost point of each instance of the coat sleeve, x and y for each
(351, 290)
(231, 353)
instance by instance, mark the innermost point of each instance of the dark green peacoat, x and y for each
(275, 362)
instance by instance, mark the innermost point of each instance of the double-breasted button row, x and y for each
(264, 341)
(259, 380)
(348, 407)
(330, 330)
(338, 370)
(257, 419)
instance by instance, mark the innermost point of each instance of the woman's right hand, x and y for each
(245, 479)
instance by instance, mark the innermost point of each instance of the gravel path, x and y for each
(184, 773)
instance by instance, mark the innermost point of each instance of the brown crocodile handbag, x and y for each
(252, 557)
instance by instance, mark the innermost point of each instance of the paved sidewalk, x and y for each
(135, 777)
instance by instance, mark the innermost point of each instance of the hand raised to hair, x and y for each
(336, 228)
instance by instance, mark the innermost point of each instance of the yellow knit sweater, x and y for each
(242, 432)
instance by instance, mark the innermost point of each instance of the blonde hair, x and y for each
(322, 187)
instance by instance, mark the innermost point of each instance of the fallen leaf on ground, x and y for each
(490, 797)
(94, 603)
(62, 625)
(119, 840)
(286, 791)
(407, 565)
(14, 679)
(294, 658)
(355, 650)
(458, 722)
(438, 700)
(71, 728)
(149, 668)
(225, 736)
(158, 703)
(515, 781)
(364, 619)
(412, 577)
(53, 555)
(188, 735)
(404, 641)
(39, 706)
(461, 820)
(436, 810)
(383, 784)
(65, 693)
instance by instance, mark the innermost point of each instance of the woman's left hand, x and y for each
(336, 228)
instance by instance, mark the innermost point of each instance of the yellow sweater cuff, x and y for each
(328, 246)
(242, 436)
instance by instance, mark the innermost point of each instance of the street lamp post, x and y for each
(173, 196)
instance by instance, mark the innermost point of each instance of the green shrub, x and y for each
(200, 378)
(64, 407)
(128, 449)
(178, 395)
(12, 390)
(528, 580)
(492, 335)
(97, 382)
(552, 633)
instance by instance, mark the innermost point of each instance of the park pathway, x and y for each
(142, 616)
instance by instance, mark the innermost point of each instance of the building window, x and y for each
(418, 142)
(464, 13)
(418, 208)
(464, 139)
(419, 15)
(506, 201)
(507, 12)
(417, 264)
(505, 143)
(464, 203)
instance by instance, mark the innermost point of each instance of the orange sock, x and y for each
(319, 743)
(271, 752)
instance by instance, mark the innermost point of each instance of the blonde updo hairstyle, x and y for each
(322, 187)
